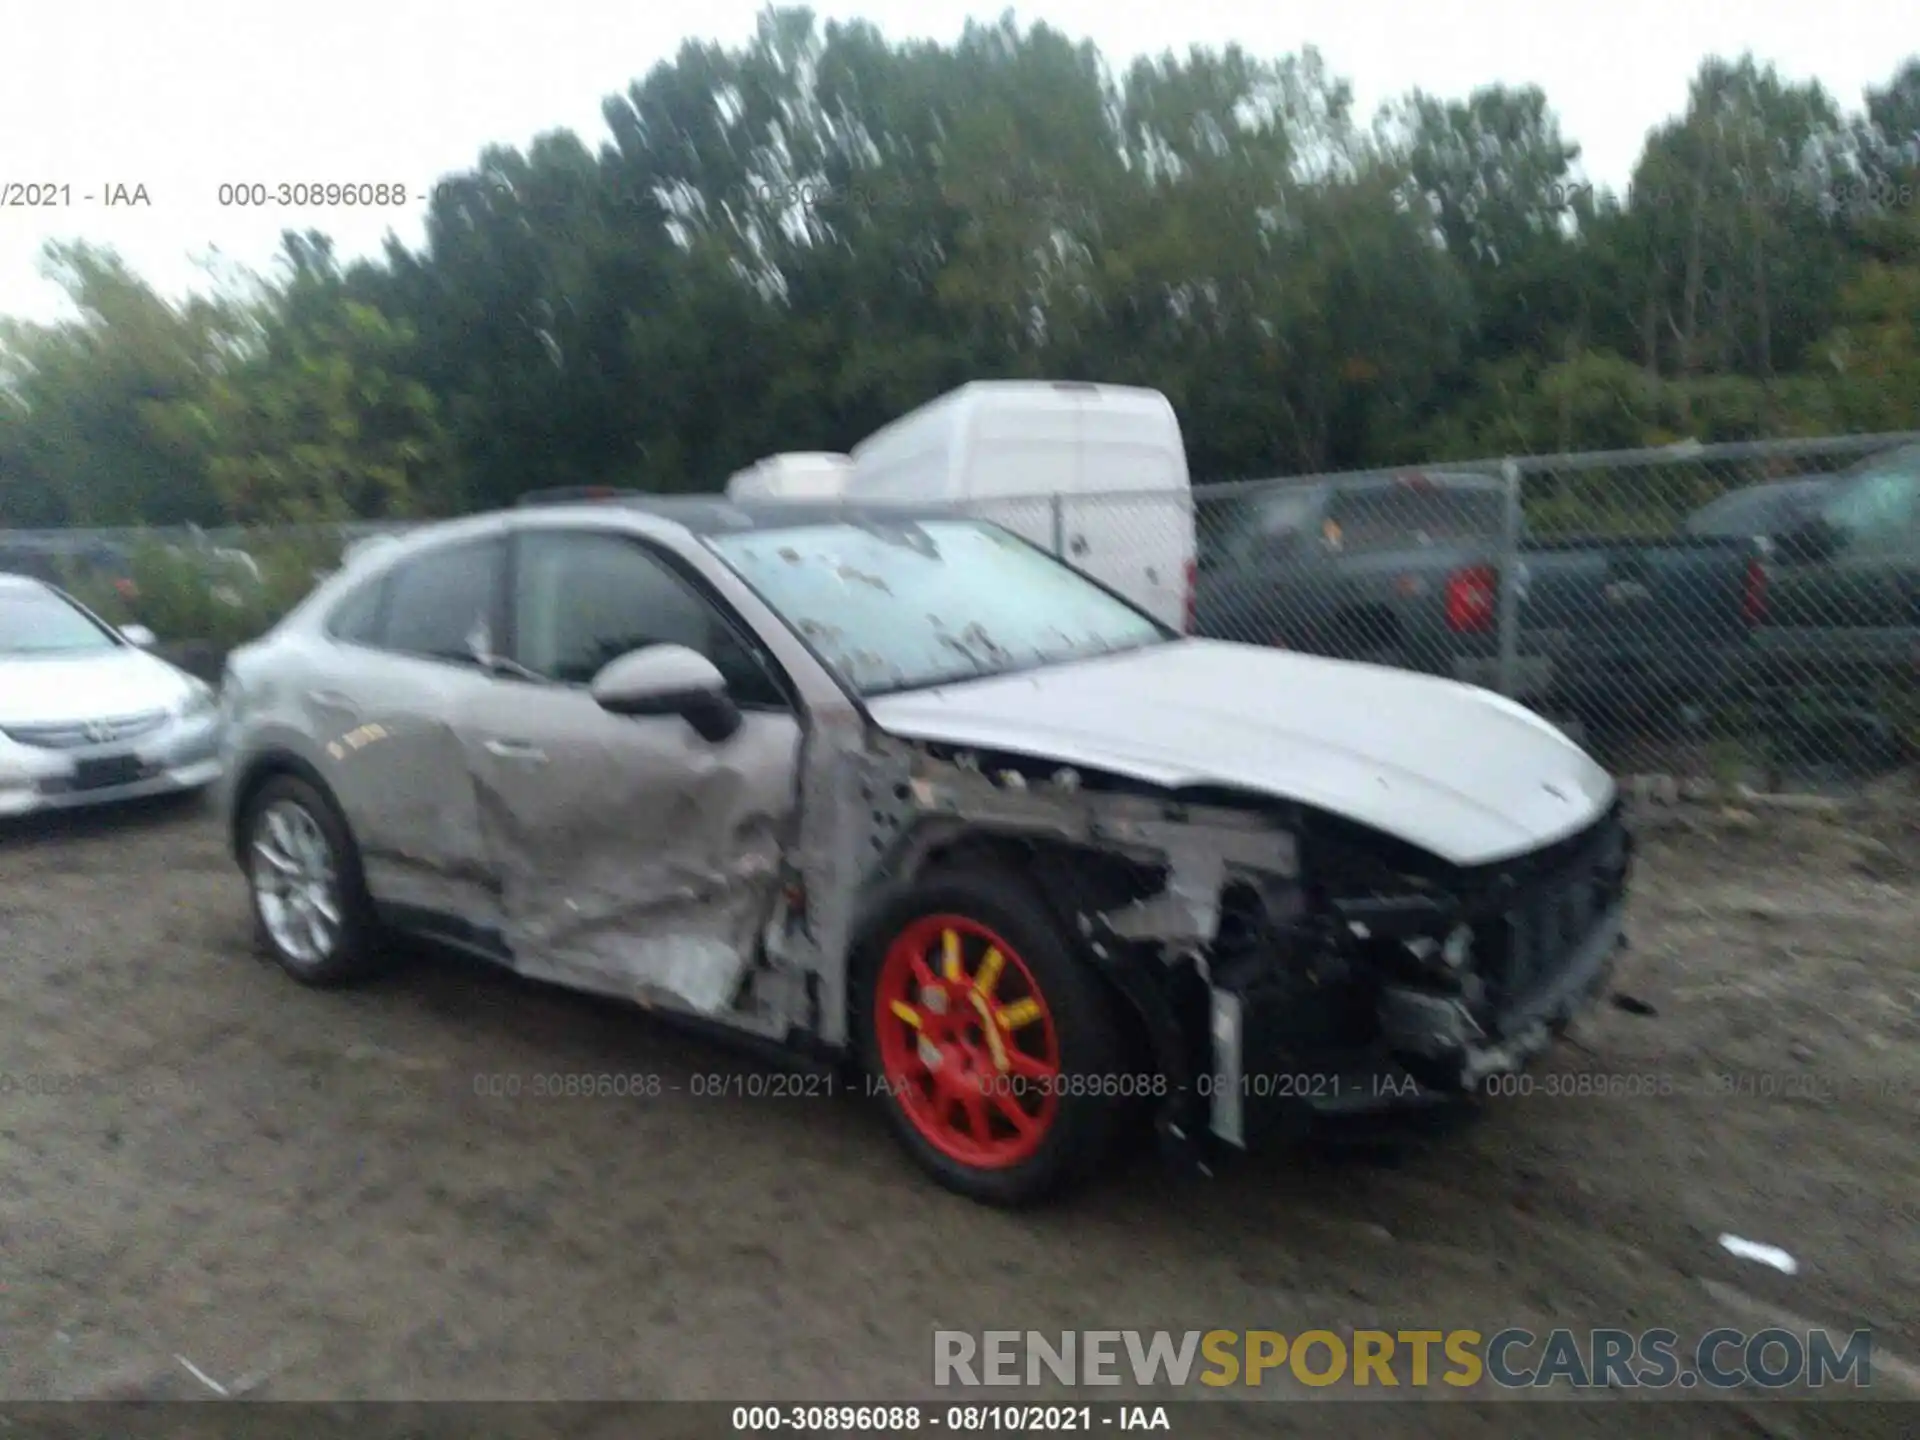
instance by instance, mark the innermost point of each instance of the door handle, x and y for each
(330, 699)
(517, 750)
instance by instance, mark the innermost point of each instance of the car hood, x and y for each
(57, 689)
(1463, 773)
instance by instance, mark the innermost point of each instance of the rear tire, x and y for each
(311, 912)
(1008, 1090)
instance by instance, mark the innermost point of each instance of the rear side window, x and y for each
(1243, 529)
(1279, 518)
(445, 605)
(1392, 517)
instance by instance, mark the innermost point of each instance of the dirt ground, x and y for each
(314, 1196)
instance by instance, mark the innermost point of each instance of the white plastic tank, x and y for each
(800, 474)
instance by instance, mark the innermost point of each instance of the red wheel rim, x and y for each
(968, 1046)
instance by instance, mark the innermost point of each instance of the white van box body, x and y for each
(800, 474)
(1094, 473)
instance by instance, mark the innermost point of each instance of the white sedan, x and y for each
(86, 715)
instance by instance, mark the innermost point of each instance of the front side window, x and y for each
(582, 600)
(903, 606)
(444, 605)
(39, 622)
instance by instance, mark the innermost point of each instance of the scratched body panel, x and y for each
(395, 760)
(633, 857)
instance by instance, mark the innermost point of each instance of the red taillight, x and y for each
(1473, 599)
(1753, 597)
(1193, 585)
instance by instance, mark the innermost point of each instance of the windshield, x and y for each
(905, 606)
(38, 622)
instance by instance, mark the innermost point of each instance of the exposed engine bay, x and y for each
(1280, 961)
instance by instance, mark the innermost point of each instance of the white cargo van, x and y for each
(812, 475)
(1096, 474)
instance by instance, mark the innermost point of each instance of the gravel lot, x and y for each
(312, 1196)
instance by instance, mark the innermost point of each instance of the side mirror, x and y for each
(669, 680)
(139, 636)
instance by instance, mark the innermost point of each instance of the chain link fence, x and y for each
(1741, 614)
(1745, 614)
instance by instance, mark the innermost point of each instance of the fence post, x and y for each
(1055, 503)
(1510, 579)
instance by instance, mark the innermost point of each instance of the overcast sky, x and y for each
(182, 95)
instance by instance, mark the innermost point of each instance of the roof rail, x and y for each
(574, 494)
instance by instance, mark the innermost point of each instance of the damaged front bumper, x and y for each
(1341, 1031)
(1433, 1050)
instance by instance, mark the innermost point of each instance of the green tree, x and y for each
(317, 419)
(83, 439)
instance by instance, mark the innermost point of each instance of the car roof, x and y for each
(693, 517)
(707, 515)
(11, 584)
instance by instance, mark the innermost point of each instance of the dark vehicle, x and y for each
(1760, 510)
(1845, 589)
(66, 561)
(1406, 571)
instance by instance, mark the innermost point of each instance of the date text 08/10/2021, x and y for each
(1748, 1086)
(811, 1085)
(910, 1419)
(1285, 1085)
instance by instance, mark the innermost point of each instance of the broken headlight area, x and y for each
(1378, 976)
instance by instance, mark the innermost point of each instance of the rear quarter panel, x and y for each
(378, 732)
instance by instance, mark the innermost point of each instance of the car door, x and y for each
(636, 858)
(407, 658)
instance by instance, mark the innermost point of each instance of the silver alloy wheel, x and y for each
(296, 883)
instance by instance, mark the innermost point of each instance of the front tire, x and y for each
(310, 907)
(994, 1049)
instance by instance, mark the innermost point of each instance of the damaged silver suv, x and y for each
(923, 806)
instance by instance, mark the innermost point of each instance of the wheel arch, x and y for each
(1066, 878)
(254, 775)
